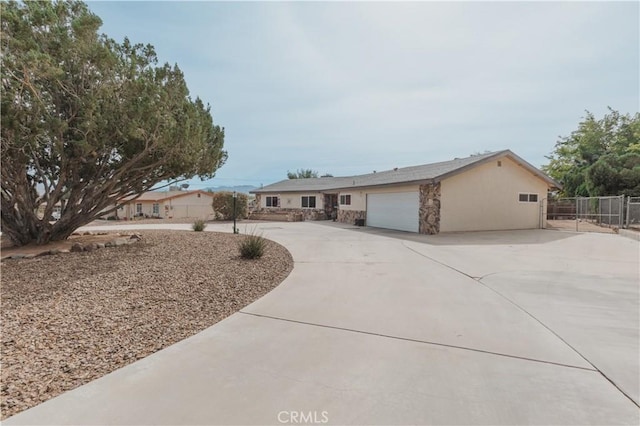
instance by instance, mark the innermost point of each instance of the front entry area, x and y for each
(397, 210)
(331, 205)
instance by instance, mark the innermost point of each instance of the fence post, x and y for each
(628, 211)
(577, 211)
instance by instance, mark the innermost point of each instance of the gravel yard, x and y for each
(70, 318)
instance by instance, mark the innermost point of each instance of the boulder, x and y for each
(77, 247)
(120, 242)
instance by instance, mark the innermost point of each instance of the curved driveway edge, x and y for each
(376, 327)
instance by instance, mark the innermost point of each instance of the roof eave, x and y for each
(552, 184)
(386, 185)
(470, 166)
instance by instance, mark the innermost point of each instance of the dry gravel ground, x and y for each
(70, 318)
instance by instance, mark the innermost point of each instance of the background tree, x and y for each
(88, 121)
(302, 174)
(601, 157)
(223, 205)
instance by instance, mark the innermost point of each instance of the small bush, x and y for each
(223, 205)
(252, 246)
(198, 225)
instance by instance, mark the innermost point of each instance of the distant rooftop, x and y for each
(413, 174)
(162, 195)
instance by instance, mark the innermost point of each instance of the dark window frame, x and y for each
(308, 200)
(345, 199)
(272, 201)
(527, 197)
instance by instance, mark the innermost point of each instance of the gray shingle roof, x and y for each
(309, 184)
(425, 172)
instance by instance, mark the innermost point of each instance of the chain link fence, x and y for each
(595, 214)
(632, 216)
(602, 211)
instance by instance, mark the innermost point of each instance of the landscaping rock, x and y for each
(120, 242)
(92, 314)
(77, 247)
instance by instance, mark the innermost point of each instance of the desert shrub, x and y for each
(223, 205)
(252, 246)
(198, 225)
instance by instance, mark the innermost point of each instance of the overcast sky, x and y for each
(348, 88)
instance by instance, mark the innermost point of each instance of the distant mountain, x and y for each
(239, 188)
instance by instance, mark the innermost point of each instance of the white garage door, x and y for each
(397, 210)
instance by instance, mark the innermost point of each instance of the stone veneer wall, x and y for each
(293, 215)
(430, 208)
(350, 216)
(312, 214)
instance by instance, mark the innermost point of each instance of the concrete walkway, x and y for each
(382, 327)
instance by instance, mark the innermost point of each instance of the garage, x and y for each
(397, 210)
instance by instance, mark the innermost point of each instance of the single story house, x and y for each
(492, 191)
(167, 205)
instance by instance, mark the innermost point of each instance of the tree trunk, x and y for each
(41, 231)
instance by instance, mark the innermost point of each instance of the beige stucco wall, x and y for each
(188, 206)
(293, 200)
(486, 198)
(359, 196)
(129, 209)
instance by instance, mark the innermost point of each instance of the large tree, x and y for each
(601, 157)
(87, 121)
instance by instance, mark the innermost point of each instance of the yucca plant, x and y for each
(252, 246)
(198, 225)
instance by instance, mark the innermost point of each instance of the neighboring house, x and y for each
(492, 191)
(167, 205)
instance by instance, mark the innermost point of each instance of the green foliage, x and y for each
(198, 225)
(89, 121)
(223, 205)
(601, 157)
(302, 174)
(252, 246)
(615, 175)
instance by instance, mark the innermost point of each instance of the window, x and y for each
(309, 202)
(156, 208)
(528, 198)
(139, 208)
(345, 200)
(272, 201)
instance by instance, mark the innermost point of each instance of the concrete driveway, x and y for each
(382, 327)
